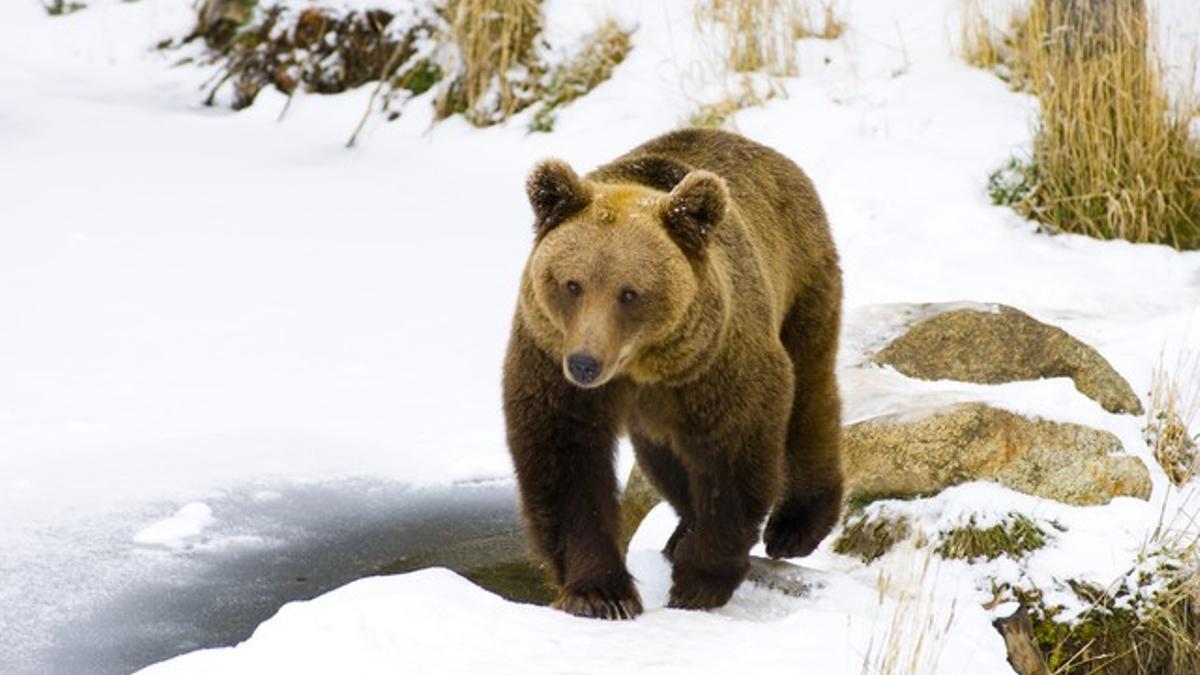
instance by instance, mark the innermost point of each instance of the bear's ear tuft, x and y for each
(555, 193)
(694, 209)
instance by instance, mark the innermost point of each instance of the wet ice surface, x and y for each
(264, 546)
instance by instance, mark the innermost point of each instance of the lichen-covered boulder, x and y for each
(992, 344)
(904, 456)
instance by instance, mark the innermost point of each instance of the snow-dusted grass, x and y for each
(493, 40)
(196, 300)
(1171, 417)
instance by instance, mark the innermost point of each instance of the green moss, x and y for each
(1013, 537)
(870, 537)
(1012, 183)
(421, 77)
(515, 580)
(63, 7)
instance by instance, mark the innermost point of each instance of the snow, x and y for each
(180, 529)
(197, 301)
(384, 626)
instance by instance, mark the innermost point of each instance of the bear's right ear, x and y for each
(555, 193)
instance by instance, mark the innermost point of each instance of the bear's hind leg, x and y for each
(812, 496)
(668, 475)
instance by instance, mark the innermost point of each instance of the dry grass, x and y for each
(831, 27)
(1173, 410)
(602, 51)
(760, 35)
(978, 39)
(720, 113)
(1112, 157)
(495, 70)
(918, 627)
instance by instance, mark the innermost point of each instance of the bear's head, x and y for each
(617, 267)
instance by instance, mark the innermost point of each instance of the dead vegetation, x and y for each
(760, 35)
(485, 59)
(917, 627)
(1174, 405)
(315, 50)
(495, 68)
(1112, 156)
(719, 114)
(602, 51)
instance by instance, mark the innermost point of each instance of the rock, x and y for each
(783, 576)
(899, 456)
(1003, 345)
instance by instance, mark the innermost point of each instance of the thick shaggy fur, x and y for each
(697, 276)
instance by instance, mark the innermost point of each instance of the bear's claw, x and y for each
(600, 603)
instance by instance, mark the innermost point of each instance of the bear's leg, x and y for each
(668, 476)
(562, 439)
(812, 495)
(732, 486)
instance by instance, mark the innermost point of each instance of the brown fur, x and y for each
(697, 276)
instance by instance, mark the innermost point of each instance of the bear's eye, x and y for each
(627, 296)
(574, 288)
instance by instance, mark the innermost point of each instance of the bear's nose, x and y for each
(583, 368)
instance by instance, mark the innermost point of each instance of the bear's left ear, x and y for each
(555, 193)
(694, 208)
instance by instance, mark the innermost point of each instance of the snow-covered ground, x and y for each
(196, 300)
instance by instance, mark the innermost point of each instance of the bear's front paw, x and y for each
(798, 527)
(695, 588)
(614, 598)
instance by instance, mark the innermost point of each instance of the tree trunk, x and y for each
(1095, 26)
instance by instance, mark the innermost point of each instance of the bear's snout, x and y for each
(584, 368)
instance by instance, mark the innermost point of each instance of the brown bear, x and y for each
(687, 294)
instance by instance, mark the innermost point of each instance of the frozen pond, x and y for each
(267, 547)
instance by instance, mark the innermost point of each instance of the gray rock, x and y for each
(898, 456)
(1004, 345)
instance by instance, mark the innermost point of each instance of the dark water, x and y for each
(323, 537)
